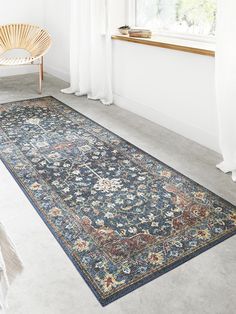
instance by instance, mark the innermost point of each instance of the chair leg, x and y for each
(40, 78)
(42, 68)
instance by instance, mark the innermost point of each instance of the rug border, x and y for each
(147, 279)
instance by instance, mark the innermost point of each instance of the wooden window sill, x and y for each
(206, 49)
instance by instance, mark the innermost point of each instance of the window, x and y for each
(186, 17)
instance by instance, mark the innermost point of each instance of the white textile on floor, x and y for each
(10, 266)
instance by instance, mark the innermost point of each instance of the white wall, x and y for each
(172, 88)
(57, 22)
(20, 11)
(23, 11)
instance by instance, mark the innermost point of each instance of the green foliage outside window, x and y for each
(184, 16)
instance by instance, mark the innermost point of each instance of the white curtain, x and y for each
(90, 50)
(226, 83)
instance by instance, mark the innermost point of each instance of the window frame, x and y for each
(132, 19)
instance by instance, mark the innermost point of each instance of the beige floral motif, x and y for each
(142, 187)
(138, 156)
(109, 215)
(54, 155)
(166, 174)
(97, 130)
(176, 243)
(81, 245)
(107, 185)
(123, 232)
(42, 144)
(55, 212)
(35, 186)
(203, 234)
(100, 222)
(233, 218)
(199, 195)
(177, 209)
(85, 148)
(155, 224)
(156, 258)
(34, 121)
(218, 209)
(132, 230)
(110, 282)
(19, 166)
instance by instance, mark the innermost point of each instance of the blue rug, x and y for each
(123, 217)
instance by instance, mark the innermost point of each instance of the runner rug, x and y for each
(123, 217)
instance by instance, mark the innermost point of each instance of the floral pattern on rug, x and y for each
(123, 217)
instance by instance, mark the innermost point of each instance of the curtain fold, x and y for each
(90, 50)
(226, 83)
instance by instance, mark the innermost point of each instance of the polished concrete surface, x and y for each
(51, 285)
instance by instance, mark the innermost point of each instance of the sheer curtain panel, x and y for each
(90, 50)
(226, 83)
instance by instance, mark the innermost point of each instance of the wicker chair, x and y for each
(33, 39)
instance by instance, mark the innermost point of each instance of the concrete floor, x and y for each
(51, 285)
